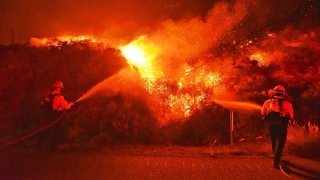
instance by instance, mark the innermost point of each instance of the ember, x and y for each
(178, 98)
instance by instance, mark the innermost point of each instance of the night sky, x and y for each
(130, 18)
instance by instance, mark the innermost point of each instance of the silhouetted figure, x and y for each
(55, 101)
(54, 105)
(277, 112)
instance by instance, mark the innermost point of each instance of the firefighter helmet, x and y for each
(279, 88)
(279, 91)
(57, 84)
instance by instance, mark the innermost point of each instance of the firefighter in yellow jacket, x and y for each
(277, 112)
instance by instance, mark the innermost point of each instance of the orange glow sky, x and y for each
(129, 18)
(43, 18)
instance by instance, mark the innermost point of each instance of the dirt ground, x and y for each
(150, 162)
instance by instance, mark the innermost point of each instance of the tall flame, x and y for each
(142, 54)
(176, 98)
(135, 55)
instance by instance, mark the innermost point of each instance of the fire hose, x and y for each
(46, 126)
(84, 96)
(81, 98)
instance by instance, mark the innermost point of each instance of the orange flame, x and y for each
(179, 98)
(57, 41)
(260, 58)
(142, 54)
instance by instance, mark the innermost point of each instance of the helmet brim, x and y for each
(278, 97)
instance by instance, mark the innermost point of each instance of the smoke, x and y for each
(225, 43)
(117, 20)
(222, 38)
(110, 19)
(184, 40)
(292, 55)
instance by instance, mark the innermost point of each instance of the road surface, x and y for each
(142, 163)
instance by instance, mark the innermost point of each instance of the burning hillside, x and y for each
(182, 71)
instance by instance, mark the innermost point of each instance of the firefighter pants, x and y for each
(278, 134)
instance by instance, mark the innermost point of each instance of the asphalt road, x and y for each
(137, 164)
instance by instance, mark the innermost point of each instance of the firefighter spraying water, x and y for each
(54, 106)
(55, 100)
(277, 112)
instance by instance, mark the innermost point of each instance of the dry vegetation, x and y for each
(118, 118)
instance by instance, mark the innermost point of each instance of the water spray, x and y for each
(238, 105)
(46, 126)
(115, 83)
(232, 105)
